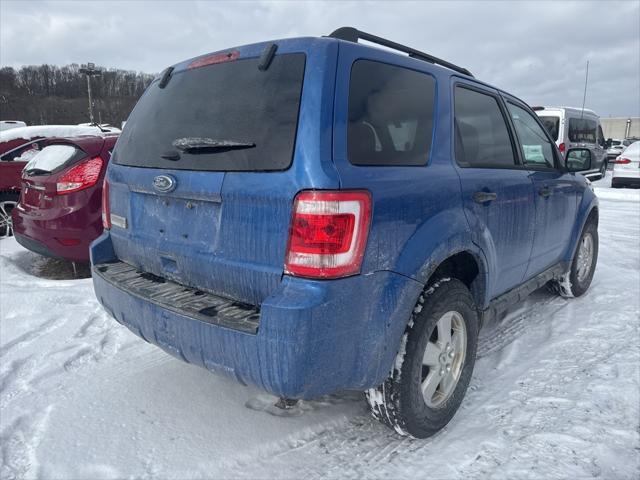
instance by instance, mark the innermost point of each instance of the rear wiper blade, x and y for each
(204, 145)
(37, 171)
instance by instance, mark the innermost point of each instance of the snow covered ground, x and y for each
(555, 393)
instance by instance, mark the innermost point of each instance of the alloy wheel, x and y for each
(443, 359)
(585, 257)
(6, 225)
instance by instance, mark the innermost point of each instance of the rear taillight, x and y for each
(562, 148)
(621, 161)
(81, 176)
(106, 212)
(328, 233)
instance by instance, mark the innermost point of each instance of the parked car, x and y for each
(9, 124)
(314, 214)
(11, 165)
(16, 148)
(60, 207)
(626, 168)
(616, 147)
(577, 128)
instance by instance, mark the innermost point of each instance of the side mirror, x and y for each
(578, 159)
(608, 142)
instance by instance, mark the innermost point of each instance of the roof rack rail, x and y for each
(351, 34)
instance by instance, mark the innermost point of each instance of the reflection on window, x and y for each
(390, 115)
(536, 147)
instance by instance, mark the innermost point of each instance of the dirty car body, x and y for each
(193, 256)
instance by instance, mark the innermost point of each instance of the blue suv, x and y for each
(312, 215)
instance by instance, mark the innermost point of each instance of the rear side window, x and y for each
(481, 135)
(552, 124)
(390, 115)
(537, 150)
(228, 116)
(53, 158)
(582, 130)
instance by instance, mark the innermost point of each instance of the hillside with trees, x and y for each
(48, 94)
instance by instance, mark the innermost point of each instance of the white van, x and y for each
(577, 128)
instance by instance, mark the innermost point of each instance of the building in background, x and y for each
(620, 127)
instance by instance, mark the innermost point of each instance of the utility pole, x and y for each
(584, 97)
(90, 70)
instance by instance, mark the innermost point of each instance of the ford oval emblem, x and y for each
(164, 183)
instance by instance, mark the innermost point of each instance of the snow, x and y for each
(35, 131)
(555, 391)
(51, 157)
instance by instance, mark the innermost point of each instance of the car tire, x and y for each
(8, 201)
(430, 359)
(577, 280)
(603, 169)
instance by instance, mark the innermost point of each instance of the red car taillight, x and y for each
(621, 161)
(562, 148)
(79, 177)
(328, 233)
(106, 212)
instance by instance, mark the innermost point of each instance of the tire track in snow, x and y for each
(495, 337)
(19, 442)
(382, 444)
(29, 337)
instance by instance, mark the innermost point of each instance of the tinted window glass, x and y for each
(601, 140)
(582, 130)
(232, 101)
(390, 115)
(552, 124)
(536, 147)
(482, 138)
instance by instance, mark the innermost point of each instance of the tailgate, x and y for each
(232, 244)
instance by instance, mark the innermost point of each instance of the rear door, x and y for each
(555, 190)
(203, 176)
(497, 191)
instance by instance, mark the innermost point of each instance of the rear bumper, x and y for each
(626, 180)
(313, 337)
(42, 236)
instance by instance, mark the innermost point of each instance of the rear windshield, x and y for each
(552, 124)
(53, 158)
(228, 116)
(582, 130)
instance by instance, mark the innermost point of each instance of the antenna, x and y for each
(584, 97)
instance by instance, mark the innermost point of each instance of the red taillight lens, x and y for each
(562, 147)
(621, 161)
(328, 234)
(106, 212)
(79, 177)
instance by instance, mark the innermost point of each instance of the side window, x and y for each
(481, 135)
(390, 115)
(582, 130)
(536, 147)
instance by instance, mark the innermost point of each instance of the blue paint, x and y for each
(227, 233)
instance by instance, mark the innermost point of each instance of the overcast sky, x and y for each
(537, 51)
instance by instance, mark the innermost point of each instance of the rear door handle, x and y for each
(545, 192)
(482, 197)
